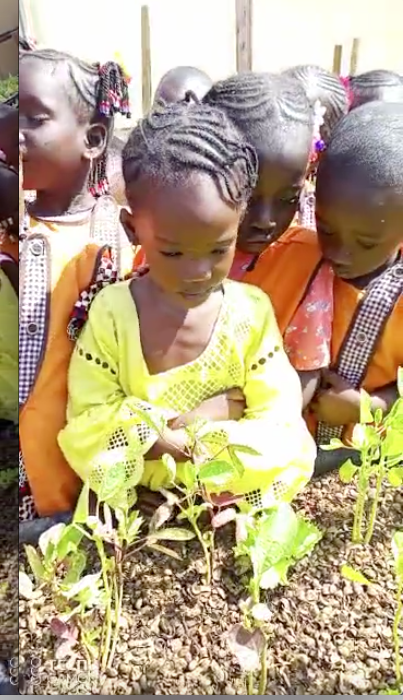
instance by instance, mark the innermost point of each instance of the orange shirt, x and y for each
(285, 270)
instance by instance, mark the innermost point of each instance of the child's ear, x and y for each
(96, 138)
(126, 220)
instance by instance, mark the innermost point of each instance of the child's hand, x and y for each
(224, 407)
(339, 403)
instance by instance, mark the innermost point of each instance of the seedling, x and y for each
(61, 562)
(379, 441)
(397, 549)
(272, 540)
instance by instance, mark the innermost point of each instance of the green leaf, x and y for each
(378, 417)
(397, 549)
(308, 535)
(76, 564)
(216, 474)
(246, 450)
(90, 582)
(113, 482)
(365, 408)
(237, 463)
(395, 476)
(170, 465)
(134, 525)
(347, 471)
(69, 541)
(352, 574)
(189, 475)
(81, 512)
(335, 444)
(35, 563)
(164, 550)
(276, 575)
(193, 512)
(49, 540)
(175, 534)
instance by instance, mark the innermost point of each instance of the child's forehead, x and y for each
(43, 82)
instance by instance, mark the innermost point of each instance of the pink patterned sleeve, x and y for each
(308, 337)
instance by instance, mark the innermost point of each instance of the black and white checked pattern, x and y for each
(33, 309)
(363, 335)
(105, 228)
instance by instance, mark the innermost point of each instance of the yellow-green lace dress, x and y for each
(109, 380)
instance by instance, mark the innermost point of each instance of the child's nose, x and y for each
(197, 271)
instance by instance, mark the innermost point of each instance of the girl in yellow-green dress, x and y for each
(179, 340)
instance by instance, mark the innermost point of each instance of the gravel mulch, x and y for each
(8, 553)
(329, 636)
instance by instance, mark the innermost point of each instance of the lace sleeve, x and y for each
(104, 426)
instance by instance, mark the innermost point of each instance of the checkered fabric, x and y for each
(34, 300)
(363, 335)
(306, 217)
(35, 262)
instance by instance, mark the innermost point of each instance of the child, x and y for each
(328, 93)
(274, 114)
(66, 116)
(174, 340)
(177, 82)
(8, 297)
(376, 85)
(360, 231)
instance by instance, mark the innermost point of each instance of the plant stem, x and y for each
(396, 635)
(361, 497)
(249, 684)
(263, 669)
(106, 642)
(118, 586)
(374, 508)
(205, 548)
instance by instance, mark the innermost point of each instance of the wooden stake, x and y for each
(354, 56)
(146, 59)
(337, 58)
(243, 10)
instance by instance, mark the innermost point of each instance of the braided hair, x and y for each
(267, 108)
(376, 85)
(179, 139)
(97, 92)
(327, 88)
(367, 144)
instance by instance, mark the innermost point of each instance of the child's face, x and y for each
(275, 199)
(188, 235)
(359, 230)
(52, 140)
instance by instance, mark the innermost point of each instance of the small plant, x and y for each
(271, 541)
(379, 440)
(397, 549)
(200, 474)
(354, 575)
(62, 560)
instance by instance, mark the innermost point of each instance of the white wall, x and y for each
(202, 33)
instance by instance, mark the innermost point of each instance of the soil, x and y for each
(8, 553)
(329, 636)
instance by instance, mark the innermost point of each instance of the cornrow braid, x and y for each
(97, 92)
(179, 139)
(267, 108)
(376, 85)
(327, 88)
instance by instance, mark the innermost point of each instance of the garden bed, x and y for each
(8, 555)
(329, 636)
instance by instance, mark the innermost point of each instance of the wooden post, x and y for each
(146, 59)
(244, 57)
(337, 59)
(354, 56)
